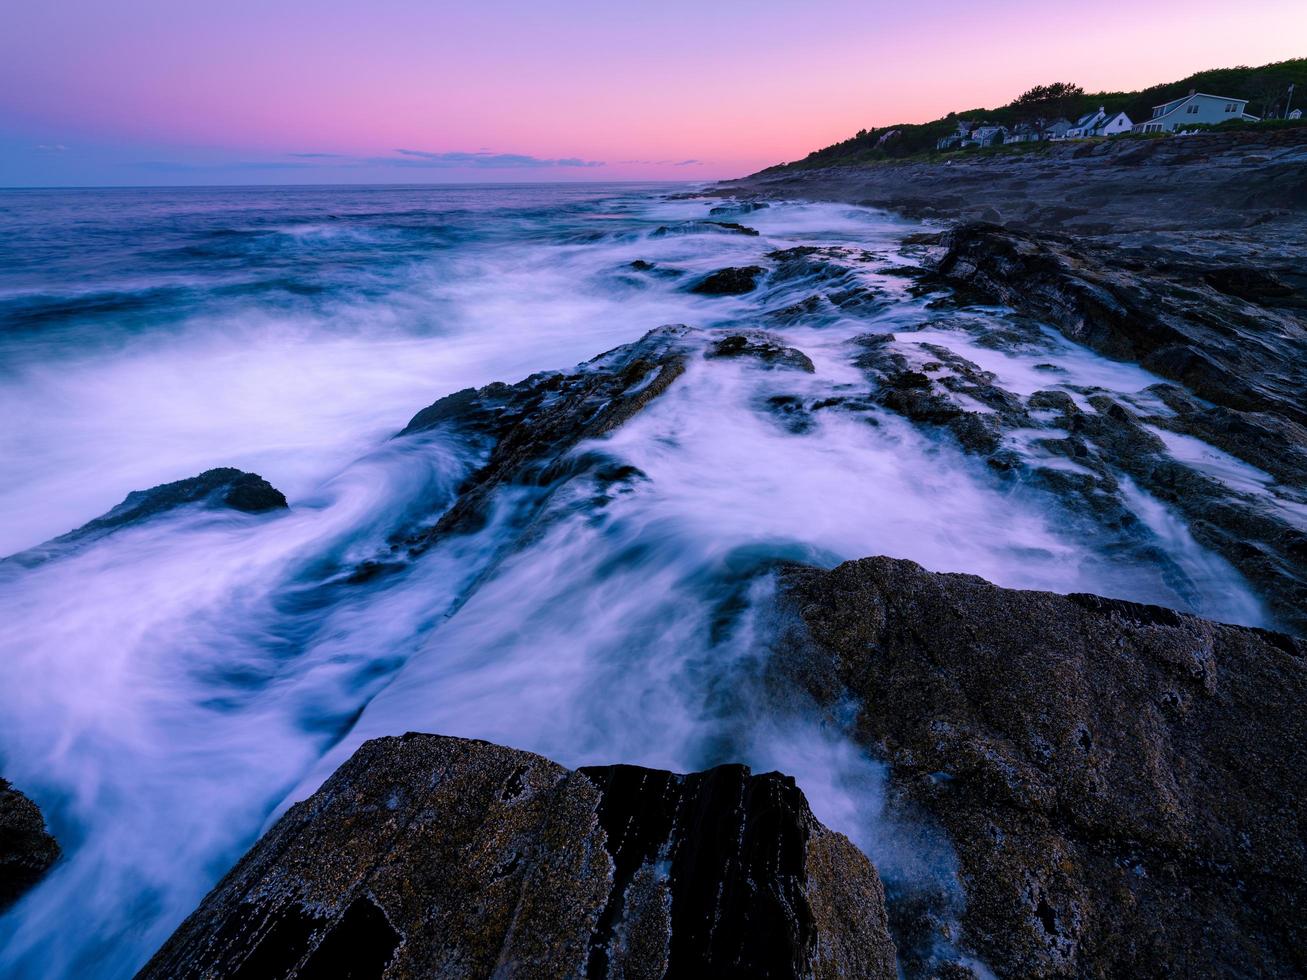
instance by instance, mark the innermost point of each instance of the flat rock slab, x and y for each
(428, 856)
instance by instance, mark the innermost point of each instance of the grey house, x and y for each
(1196, 107)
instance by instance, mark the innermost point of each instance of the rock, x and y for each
(531, 427)
(26, 849)
(739, 207)
(729, 282)
(221, 487)
(1122, 783)
(1229, 350)
(697, 227)
(224, 487)
(427, 856)
(763, 346)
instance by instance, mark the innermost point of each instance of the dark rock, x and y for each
(26, 849)
(1122, 783)
(698, 227)
(531, 427)
(1228, 350)
(763, 346)
(224, 487)
(729, 282)
(739, 207)
(429, 856)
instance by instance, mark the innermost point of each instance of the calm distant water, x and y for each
(165, 693)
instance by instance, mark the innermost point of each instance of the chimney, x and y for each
(1193, 91)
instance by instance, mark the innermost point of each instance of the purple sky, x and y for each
(148, 91)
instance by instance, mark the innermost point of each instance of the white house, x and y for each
(1196, 107)
(1099, 123)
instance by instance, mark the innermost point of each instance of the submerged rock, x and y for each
(738, 207)
(697, 227)
(1122, 783)
(729, 282)
(429, 856)
(223, 487)
(26, 848)
(763, 346)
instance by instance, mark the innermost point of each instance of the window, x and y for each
(1192, 110)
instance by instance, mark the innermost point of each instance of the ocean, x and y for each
(167, 691)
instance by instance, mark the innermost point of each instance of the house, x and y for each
(956, 138)
(1056, 130)
(1023, 133)
(1114, 125)
(1100, 123)
(1196, 107)
(988, 135)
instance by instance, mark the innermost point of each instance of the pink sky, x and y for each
(96, 89)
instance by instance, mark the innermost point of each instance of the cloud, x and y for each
(421, 159)
(173, 166)
(52, 147)
(481, 159)
(668, 163)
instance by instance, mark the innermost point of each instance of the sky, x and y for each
(162, 92)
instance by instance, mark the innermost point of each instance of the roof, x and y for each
(1199, 95)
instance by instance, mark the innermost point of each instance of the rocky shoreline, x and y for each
(1118, 785)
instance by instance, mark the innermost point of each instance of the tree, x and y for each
(1048, 101)
(1267, 92)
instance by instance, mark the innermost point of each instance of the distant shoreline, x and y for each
(1226, 182)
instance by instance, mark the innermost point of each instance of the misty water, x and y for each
(168, 690)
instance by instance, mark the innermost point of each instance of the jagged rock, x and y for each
(223, 487)
(729, 282)
(531, 427)
(1107, 444)
(1122, 783)
(26, 849)
(426, 856)
(763, 346)
(1231, 351)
